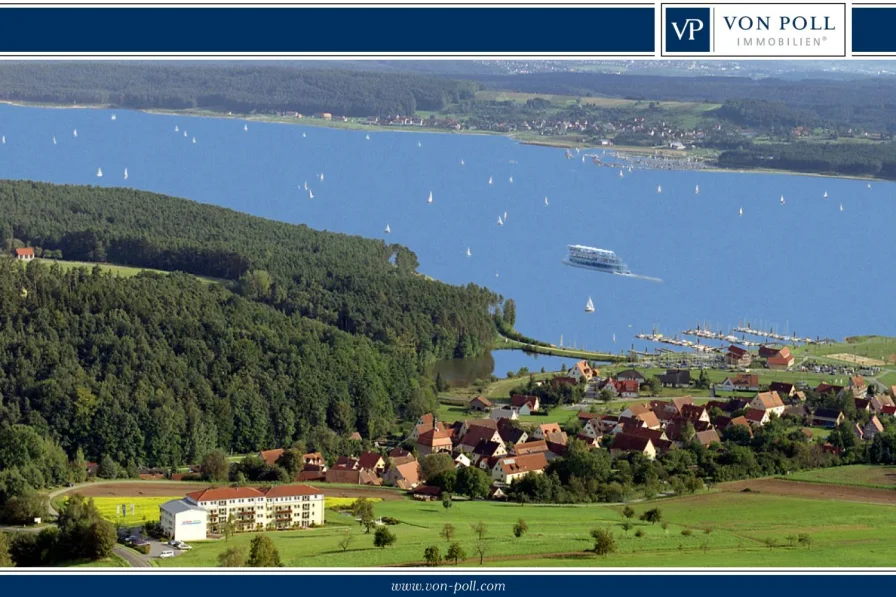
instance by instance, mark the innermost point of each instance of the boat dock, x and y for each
(654, 337)
(773, 335)
(700, 333)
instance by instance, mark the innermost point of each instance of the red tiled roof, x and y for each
(513, 465)
(25, 252)
(290, 490)
(530, 447)
(224, 493)
(270, 456)
(369, 460)
(769, 400)
(521, 400)
(628, 442)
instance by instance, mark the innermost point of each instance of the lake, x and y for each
(805, 266)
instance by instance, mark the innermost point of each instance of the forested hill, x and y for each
(361, 286)
(242, 89)
(160, 369)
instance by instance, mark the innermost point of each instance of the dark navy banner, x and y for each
(334, 30)
(874, 29)
(444, 585)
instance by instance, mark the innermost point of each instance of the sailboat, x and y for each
(589, 306)
(869, 185)
(621, 175)
(114, 117)
(54, 139)
(75, 133)
(825, 194)
(461, 161)
(310, 194)
(245, 127)
(740, 211)
(194, 140)
(99, 172)
(185, 133)
(489, 180)
(469, 254)
(3, 140)
(614, 338)
(500, 221)
(505, 216)
(303, 135)
(321, 176)
(546, 202)
(125, 173)
(629, 169)
(841, 207)
(782, 199)
(496, 274)
(659, 189)
(697, 190)
(176, 129)
(367, 137)
(388, 230)
(511, 180)
(429, 199)
(583, 159)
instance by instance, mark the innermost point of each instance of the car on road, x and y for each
(183, 546)
(167, 553)
(173, 542)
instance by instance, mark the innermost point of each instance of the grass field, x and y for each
(112, 561)
(843, 534)
(876, 347)
(119, 270)
(857, 475)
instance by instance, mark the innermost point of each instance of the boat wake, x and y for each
(640, 277)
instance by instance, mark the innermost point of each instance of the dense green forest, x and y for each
(242, 89)
(361, 286)
(851, 159)
(868, 103)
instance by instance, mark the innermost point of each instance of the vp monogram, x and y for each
(690, 27)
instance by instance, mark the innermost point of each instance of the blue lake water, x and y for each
(805, 266)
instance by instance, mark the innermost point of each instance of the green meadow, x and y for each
(720, 529)
(119, 270)
(858, 475)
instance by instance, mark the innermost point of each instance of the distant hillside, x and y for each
(242, 89)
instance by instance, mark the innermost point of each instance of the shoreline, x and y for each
(360, 126)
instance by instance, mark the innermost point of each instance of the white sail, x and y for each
(740, 211)
(303, 135)
(75, 133)
(614, 338)
(583, 159)
(697, 190)
(489, 180)
(589, 306)
(429, 199)
(245, 127)
(468, 252)
(310, 194)
(367, 137)
(3, 140)
(461, 161)
(841, 207)
(185, 133)
(176, 129)
(782, 199)
(306, 185)
(125, 173)
(194, 140)
(388, 230)
(500, 221)
(825, 194)
(99, 172)
(869, 185)
(321, 176)
(621, 175)
(54, 139)
(511, 180)
(114, 117)
(546, 201)
(505, 216)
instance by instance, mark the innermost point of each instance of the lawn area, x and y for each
(859, 475)
(119, 270)
(843, 534)
(875, 347)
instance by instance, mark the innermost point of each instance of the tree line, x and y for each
(238, 88)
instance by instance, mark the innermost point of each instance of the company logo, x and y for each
(186, 522)
(762, 29)
(688, 29)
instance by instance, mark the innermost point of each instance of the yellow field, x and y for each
(145, 508)
(343, 502)
(859, 360)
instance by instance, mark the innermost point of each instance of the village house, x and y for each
(857, 386)
(371, 461)
(486, 450)
(480, 404)
(739, 383)
(511, 413)
(768, 401)
(785, 390)
(24, 254)
(404, 476)
(872, 428)
(426, 423)
(827, 417)
(631, 375)
(757, 417)
(781, 360)
(542, 431)
(582, 371)
(476, 434)
(433, 442)
(826, 388)
(270, 457)
(880, 401)
(627, 388)
(708, 437)
(526, 404)
(672, 406)
(623, 443)
(506, 469)
(738, 357)
(461, 428)
(462, 461)
(675, 378)
(352, 476)
(511, 434)
(530, 448)
(584, 416)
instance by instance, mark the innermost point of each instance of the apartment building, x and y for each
(274, 508)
